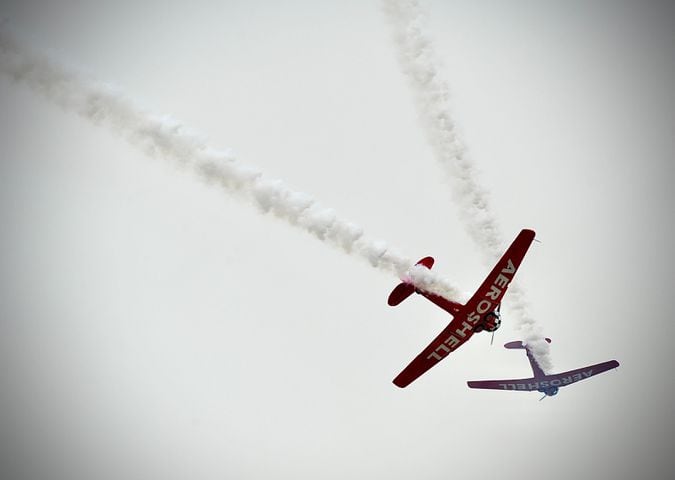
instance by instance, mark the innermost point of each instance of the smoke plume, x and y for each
(160, 136)
(416, 58)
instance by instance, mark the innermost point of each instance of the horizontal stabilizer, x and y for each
(426, 262)
(519, 344)
(400, 293)
(404, 290)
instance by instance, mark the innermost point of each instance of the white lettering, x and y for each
(483, 306)
(509, 267)
(473, 317)
(493, 293)
(587, 374)
(452, 342)
(462, 332)
(435, 356)
(501, 281)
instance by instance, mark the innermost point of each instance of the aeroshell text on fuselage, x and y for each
(486, 304)
(542, 384)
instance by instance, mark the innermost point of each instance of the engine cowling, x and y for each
(550, 391)
(491, 321)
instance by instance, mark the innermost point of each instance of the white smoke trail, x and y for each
(162, 137)
(417, 60)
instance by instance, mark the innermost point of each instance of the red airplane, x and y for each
(540, 382)
(480, 313)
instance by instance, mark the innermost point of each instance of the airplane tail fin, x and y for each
(403, 290)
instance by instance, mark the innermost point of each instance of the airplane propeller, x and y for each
(499, 314)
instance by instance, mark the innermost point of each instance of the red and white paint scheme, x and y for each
(480, 313)
(540, 382)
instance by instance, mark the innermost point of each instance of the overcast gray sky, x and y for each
(153, 327)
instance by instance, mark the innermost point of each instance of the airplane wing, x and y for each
(556, 380)
(438, 349)
(573, 376)
(486, 299)
(520, 384)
